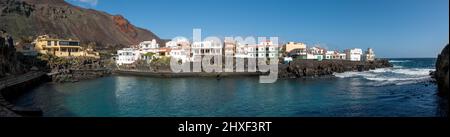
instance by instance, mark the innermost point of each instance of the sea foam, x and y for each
(391, 76)
(398, 61)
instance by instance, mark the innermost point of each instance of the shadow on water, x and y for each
(35, 100)
(73, 100)
(442, 107)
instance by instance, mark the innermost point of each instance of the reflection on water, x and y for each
(238, 96)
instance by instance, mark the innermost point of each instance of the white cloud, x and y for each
(90, 2)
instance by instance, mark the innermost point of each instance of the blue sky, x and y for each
(394, 28)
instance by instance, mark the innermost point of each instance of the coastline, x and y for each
(329, 96)
(296, 69)
(213, 75)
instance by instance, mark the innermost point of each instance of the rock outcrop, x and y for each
(314, 68)
(75, 69)
(441, 73)
(9, 62)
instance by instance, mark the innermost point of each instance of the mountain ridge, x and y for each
(24, 19)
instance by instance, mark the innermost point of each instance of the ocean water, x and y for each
(402, 91)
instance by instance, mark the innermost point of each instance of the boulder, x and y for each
(441, 73)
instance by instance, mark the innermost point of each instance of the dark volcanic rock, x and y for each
(9, 62)
(75, 69)
(441, 73)
(313, 68)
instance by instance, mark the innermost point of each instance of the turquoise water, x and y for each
(404, 90)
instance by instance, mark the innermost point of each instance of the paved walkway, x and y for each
(5, 106)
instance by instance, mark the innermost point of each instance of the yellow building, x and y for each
(62, 48)
(292, 45)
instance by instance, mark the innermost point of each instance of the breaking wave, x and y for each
(398, 61)
(391, 76)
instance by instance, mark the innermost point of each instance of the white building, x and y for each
(369, 55)
(252, 51)
(330, 55)
(290, 46)
(264, 49)
(230, 48)
(241, 50)
(310, 56)
(272, 50)
(342, 56)
(177, 42)
(149, 45)
(127, 56)
(335, 55)
(180, 54)
(206, 48)
(353, 54)
(316, 51)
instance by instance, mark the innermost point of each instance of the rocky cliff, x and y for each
(441, 73)
(29, 18)
(313, 68)
(9, 62)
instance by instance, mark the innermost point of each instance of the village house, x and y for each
(267, 49)
(293, 45)
(180, 54)
(230, 48)
(203, 48)
(330, 55)
(241, 50)
(354, 54)
(296, 50)
(369, 55)
(149, 46)
(146, 47)
(334, 55)
(264, 49)
(252, 51)
(177, 42)
(179, 49)
(342, 56)
(315, 53)
(127, 56)
(61, 47)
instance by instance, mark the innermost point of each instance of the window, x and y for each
(69, 43)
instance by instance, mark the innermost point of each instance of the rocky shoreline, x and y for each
(75, 69)
(442, 72)
(296, 69)
(314, 68)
